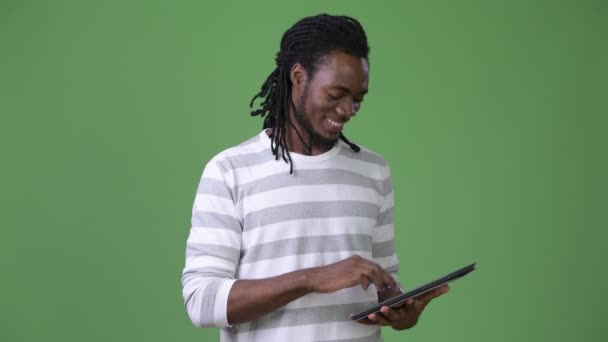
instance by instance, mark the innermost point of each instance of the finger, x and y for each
(365, 321)
(375, 275)
(390, 314)
(378, 319)
(410, 305)
(387, 279)
(365, 281)
(378, 275)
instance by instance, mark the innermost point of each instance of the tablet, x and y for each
(399, 300)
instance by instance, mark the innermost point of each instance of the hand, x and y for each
(406, 316)
(348, 273)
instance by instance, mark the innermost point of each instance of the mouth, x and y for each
(335, 126)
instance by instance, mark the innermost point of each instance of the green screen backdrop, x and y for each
(492, 115)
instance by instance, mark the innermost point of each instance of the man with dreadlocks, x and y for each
(292, 230)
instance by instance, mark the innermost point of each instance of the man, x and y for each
(292, 230)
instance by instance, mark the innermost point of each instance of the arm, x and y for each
(212, 251)
(251, 299)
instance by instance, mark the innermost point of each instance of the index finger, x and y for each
(378, 276)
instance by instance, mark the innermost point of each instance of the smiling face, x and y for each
(326, 100)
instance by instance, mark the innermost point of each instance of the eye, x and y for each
(334, 97)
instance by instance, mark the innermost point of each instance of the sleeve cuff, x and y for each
(220, 310)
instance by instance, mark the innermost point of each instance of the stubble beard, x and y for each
(315, 138)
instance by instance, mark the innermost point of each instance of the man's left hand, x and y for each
(407, 315)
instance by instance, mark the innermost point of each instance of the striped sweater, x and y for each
(251, 219)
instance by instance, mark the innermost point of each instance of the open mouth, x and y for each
(335, 124)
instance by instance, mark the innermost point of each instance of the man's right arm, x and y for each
(251, 299)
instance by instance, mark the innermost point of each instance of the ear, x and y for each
(298, 77)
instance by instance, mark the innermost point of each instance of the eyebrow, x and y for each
(346, 89)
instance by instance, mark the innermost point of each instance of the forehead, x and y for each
(341, 69)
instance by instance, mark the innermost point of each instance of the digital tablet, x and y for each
(399, 300)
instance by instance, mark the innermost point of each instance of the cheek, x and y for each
(322, 109)
(319, 105)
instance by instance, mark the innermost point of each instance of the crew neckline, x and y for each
(302, 157)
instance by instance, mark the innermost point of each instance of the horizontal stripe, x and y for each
(383, 249)
(307, 245)
(200, 249)
(309, 193)
(256, 172)
(278, 266)
(309, 210)
(208, 262)
(351, 295)
(305, 332)
(344, 163)
(383, 233)
(295, 317)
(212, 171)
(275, 167)
(248, 159)
(249, 146)
(309, 177)
(214, 187)
(214, 236)
(214, 204)
(215, 220)
(387, 262)
(364, 155)
(307, 227)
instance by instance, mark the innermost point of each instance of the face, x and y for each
(329, 98)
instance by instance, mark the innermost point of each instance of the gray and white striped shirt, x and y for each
(251, 219)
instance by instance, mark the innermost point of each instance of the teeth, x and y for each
(335, 124)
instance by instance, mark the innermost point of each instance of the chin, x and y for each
(327, 142)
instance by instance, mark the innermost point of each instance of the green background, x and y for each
(492, 116)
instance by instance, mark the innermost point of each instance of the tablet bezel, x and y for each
(398, 300)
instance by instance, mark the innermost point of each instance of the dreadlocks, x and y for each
(306, 42)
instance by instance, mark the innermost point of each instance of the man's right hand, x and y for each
(348, 273)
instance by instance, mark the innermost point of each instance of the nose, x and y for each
(347, 109)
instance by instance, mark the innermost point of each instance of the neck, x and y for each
(301, 140)
(301, 143)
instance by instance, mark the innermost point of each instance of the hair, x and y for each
(307, 42)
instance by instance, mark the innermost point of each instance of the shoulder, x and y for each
(251, 151)
(366, 155)
(366, 162)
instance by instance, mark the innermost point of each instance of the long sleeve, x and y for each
(383, 238)
(212, 250)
